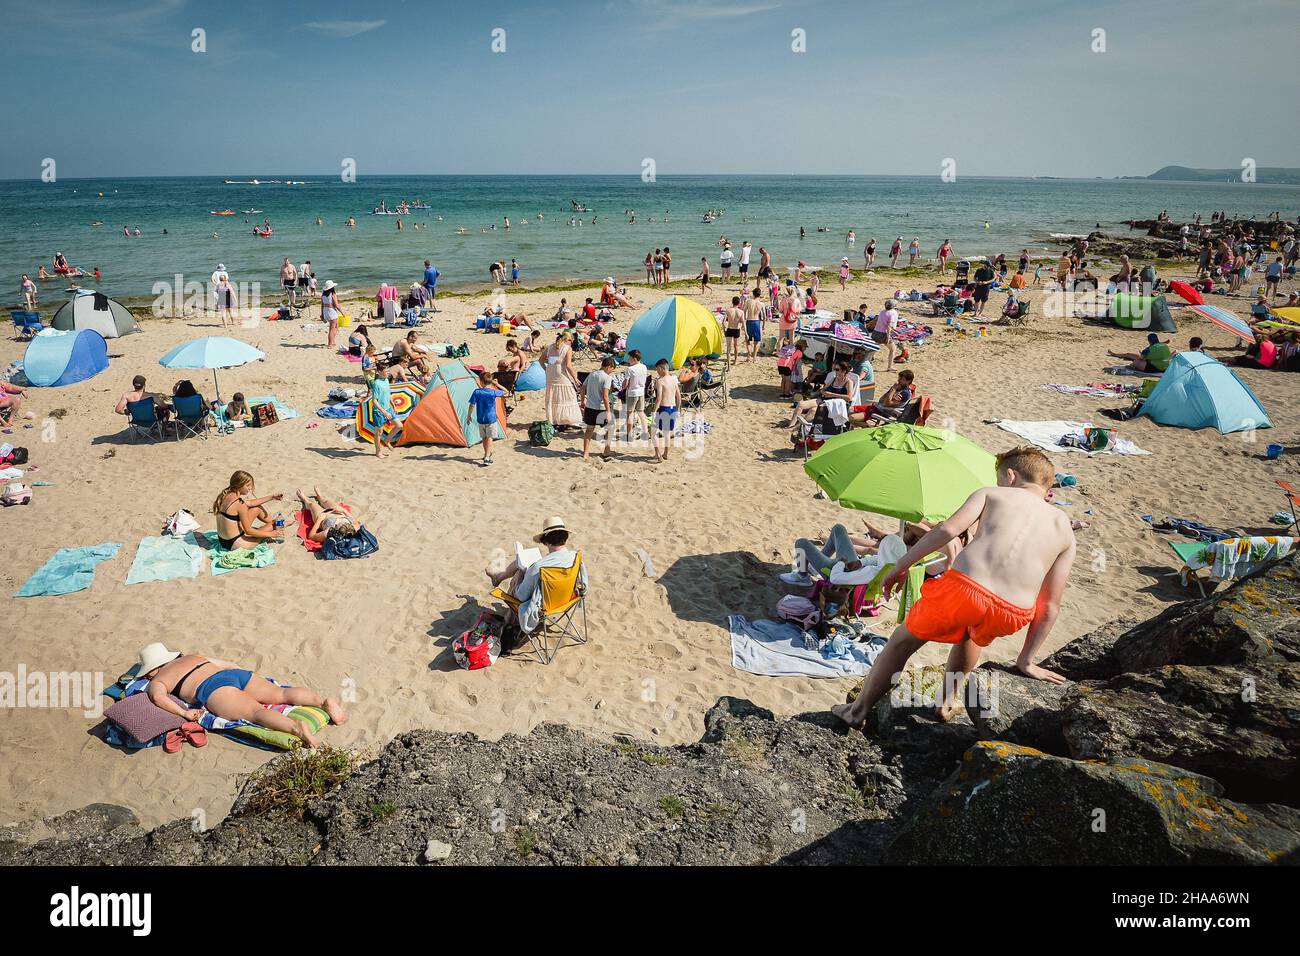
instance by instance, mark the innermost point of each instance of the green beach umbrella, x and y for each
(909, 472)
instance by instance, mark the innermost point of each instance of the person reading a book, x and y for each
(521, 578)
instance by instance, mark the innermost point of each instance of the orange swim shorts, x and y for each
(953, 606)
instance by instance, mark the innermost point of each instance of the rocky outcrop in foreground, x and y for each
(1177, 741)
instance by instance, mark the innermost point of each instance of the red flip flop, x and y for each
(193, 733)
(173, 742)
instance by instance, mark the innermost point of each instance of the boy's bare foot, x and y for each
(949, 709)
(845, 713)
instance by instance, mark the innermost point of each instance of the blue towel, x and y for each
(165, 558)
(341, 410)
(282, 412)
(70, 569)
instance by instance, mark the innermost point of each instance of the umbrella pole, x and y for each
(216, 386)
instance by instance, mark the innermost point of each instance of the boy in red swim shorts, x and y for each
(1010, 575)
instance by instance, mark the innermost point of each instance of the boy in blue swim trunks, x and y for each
(484, 399)
(667, 397)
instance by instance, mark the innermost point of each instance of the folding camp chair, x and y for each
(26, 324)
(563, 598)
(193, 417)
(144, 421)
(716, 391)
(1293, 502)
(690, 395)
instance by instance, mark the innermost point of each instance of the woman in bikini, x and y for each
(227, 691)
(326, 516)
(240, 523)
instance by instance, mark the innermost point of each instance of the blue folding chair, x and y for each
(193, 417)
(144, 420)
(26, 323)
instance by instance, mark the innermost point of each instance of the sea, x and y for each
(179, 236)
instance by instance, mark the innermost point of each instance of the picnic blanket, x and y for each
(911, 332)
(1048, 434)
(282, 411)
(1093, 390)
(67, 570)
(237, 559)
(776, 649)
(164, 559)
(304, 527)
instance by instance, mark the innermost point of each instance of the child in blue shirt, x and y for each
(484, 399)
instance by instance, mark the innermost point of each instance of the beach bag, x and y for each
(180, 524)
(798, 610)
(411, 317)
(17, 456)
(480, 646)
(354, 544)
(16, 494)
(540, 434)
(1099, 439)
(263, 415)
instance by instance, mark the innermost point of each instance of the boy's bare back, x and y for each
(1019, 538)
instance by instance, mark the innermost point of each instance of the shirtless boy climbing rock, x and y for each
(1011, 574)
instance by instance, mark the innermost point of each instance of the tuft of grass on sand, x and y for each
(285, 787)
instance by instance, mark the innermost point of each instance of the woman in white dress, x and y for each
(561, 384)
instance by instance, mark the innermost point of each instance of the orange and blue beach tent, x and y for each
(443, 415)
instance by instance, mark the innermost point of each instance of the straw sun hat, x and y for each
(155, 655)
(553, 523)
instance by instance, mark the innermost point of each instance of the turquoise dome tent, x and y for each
(1198, 392)
(55, 358)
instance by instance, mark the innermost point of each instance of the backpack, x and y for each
(540, 434)
(17, 456)
(342, 544)
(799, 610)
(263, 415)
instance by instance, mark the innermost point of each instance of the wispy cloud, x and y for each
(655, 15)
(344, 28)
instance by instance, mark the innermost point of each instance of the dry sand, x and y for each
(718, 526)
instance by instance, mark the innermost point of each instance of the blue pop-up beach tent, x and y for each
(1198, 392)
(57, 358)
(531, 379)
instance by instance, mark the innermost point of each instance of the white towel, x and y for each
(837, 410)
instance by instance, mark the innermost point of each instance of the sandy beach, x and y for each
(717, 523)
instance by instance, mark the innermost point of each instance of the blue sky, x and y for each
(712, 86)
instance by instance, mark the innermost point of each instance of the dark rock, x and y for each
(1014, 805)
(1004, 704)
(1091, 656)
(906, 721)
(1255, 619)
(93, 824)
(1241, 727)
(758, 791)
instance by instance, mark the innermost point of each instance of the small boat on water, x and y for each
(249, 212)
(222, 212)
(242, 182)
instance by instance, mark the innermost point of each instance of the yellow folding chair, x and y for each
(563, 600)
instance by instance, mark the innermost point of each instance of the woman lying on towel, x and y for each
(244, 524)
(326, 516)
(227, 691)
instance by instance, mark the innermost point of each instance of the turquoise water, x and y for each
(38, 219)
